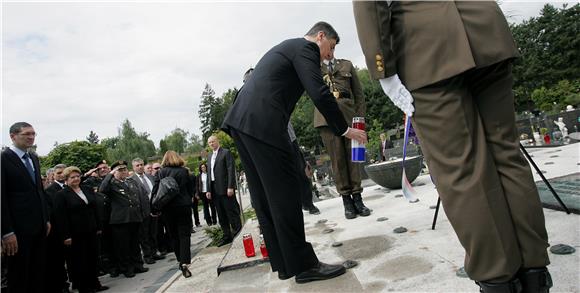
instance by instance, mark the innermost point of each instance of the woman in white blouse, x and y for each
(78, 228)
(209, 211)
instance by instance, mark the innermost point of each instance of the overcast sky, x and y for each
(69, 68)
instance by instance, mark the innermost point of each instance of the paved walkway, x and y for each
(420, 260)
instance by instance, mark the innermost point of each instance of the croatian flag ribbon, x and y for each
(408, 190)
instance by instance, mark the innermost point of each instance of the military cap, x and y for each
(99, 163)
(118, 163)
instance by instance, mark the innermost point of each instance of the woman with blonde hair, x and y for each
(76, 208)
(177, 212)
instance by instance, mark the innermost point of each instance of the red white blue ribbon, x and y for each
(408, 190)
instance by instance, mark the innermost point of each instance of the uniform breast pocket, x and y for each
(345, 73)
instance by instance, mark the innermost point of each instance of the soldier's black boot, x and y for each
(349, 210)
(360, 206)
(535, 280)
(513, 286)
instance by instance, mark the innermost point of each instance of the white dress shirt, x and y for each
(203, 182)
(213, 157)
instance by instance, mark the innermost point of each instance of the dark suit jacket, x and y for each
(186, 189)
(52, 189)
(224, 169)
(143, 196)
(74, 216)
(263, 105)
(24, 206)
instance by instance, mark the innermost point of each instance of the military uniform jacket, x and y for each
(410, 39)
(347, 90)
(123, 197)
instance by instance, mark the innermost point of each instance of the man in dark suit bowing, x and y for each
(25, 220)
(221, 183)
(258, 121)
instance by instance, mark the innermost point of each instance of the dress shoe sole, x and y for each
(320, 278)
(350, 217)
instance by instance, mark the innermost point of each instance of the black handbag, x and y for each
(168, 189)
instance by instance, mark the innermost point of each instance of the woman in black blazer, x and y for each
(77, 215)
(177, 212)
(209, 211)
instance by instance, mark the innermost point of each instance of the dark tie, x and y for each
(330, 67)
(26, 156)
(145, 183)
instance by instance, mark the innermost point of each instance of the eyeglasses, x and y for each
(28, 134)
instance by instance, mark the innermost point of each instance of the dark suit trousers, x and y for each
(209, 211)
(467, 129)
(275, 188)
(306, 195)
(83, 260)
(126, 245)
(346, 173)
(228, 211)
(148, 236)
(56, 275)
(178, 221)
(195, 210)
(26, 268)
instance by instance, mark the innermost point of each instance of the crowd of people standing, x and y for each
(72, 226)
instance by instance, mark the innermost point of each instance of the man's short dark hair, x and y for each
(17, 127)
(326, 28)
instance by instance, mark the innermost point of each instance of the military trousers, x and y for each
(466, 125)
(346, 173)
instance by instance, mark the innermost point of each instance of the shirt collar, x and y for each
(18, 151)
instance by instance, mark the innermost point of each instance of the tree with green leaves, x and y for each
(82, 154)
(212, 109)
(93, 138)
(129, 144)
(302, 121)
(175, 141)
(549, 52)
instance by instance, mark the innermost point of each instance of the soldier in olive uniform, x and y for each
(340, 75)
(455, 59)
(123, 195)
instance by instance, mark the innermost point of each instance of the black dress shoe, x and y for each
(149, 260)
(139, 270)
(321, 272)
(129, 274)
(102, 288)
(224, 241)
(158, 257)
(283, 276)
(114, 273)
(313, 210)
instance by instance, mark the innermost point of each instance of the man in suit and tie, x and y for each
(148, 229)
(455, 58)
(25, 215)
(341, 77)
(221, 183)
(258, 121)
(56, 275)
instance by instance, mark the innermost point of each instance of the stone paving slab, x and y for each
(420, 260)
